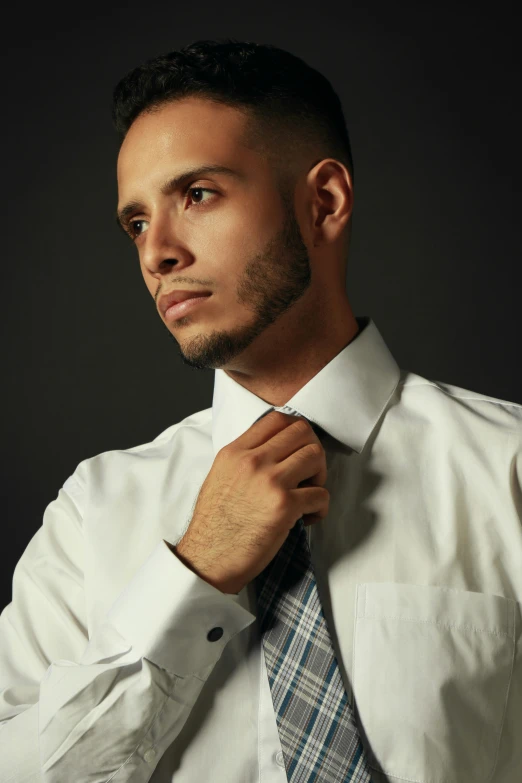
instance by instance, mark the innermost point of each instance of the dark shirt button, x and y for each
(215, 634)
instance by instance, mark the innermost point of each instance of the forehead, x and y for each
(181, 133)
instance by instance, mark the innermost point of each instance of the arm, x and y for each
(107, 704)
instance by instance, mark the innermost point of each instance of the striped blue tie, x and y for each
(319, 738)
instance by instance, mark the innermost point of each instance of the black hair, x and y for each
(289, 105)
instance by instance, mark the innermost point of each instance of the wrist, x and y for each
(225, 586)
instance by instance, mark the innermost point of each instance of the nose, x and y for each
(163, 248)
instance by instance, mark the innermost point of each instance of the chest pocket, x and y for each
(431, 674)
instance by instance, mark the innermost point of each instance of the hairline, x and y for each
(260, 136)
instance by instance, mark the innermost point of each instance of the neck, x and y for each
(276, 375)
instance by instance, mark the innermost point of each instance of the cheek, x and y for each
(216, 244)
(238, 233)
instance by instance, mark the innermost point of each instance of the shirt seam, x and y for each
(432, 622)
(481, 399)
(399, 777)
(501, 729)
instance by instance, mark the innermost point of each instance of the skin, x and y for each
(275, 265)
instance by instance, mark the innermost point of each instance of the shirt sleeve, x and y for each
(106, 705)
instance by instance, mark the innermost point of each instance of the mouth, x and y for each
(175, 311)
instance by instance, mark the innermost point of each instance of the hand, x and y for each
(258, 487)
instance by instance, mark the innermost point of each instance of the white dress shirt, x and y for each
(108, 669)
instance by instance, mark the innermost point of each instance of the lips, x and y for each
(174, 297)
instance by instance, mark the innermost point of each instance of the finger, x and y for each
(263, 429)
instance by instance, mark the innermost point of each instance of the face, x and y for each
(235, 235)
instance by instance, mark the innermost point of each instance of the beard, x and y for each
(272, 281)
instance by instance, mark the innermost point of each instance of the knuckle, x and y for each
(302, 455)
(249, 461)
(301, 425)
(279, 501)
(273, 481)
(224, 451)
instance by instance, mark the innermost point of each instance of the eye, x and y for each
(132, 228)
(135, 232)
(195, 189)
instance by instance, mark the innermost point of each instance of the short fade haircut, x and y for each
(289, 106)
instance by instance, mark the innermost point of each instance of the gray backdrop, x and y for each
(432, 100)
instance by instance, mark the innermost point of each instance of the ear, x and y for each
(331, 191)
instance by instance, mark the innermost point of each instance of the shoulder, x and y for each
(109, 468)
(450, 418)
(446, 400)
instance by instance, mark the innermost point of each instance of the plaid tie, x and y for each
(317, 730)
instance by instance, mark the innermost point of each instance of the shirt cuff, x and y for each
(167, 612)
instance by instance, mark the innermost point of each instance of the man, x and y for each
(142, 639)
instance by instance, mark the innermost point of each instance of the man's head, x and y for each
(270, 237)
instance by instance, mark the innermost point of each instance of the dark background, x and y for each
(432, 101)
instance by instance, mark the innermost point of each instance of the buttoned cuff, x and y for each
(175, 618)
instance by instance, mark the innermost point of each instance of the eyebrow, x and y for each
(173, 184)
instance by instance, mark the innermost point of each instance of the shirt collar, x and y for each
(345, 398)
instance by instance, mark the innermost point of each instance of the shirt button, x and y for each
(149, 755)
(279, 758)
(215, 634)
